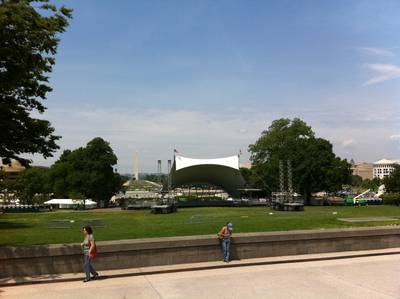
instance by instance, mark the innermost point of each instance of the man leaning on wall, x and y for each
(224, 236)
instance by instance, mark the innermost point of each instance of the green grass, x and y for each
(33, 228)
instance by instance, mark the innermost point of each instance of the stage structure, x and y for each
(221, 172)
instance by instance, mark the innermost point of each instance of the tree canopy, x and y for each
(392, 182)
(28, 43)
(314, 165)
(372, 184)
(356, 180)
(87, 172)
(32, 185)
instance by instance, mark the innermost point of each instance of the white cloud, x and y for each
(377, 51)
(155, 133)
(384, 72)
(395, 137)
(356, 132)
(348, 143)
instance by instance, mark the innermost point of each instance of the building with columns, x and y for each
(384, 167)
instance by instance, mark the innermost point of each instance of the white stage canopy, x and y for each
(221, 172)
(183, 162)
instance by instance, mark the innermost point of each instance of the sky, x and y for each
(207, 77)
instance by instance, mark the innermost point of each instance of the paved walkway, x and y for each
(354, 277)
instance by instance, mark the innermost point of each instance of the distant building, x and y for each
(384, 167)
(245, 165)
(13, 169)
(363, 169)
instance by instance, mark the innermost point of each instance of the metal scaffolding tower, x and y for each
(159, 168)
(286, 199)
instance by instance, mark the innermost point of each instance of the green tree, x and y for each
(32, 185)
(392, 182)
(314, 165)
(157, 178)
(356, 180)
(28, 43)
(247, 175)
(373, 184)
(87, 171)
(119, 181)
(7, 188)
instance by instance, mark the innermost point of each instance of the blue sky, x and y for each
(207, 77)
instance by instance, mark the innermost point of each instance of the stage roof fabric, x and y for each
(183, 162)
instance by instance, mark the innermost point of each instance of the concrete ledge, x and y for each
(67, 258)
(68, 277)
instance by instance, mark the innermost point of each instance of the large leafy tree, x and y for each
(372, 184)
(392, 182)
(247, 175)
(315, 167)
(7, 188)
(33, 185)
(86, 171)
(28, 43)
(356, 180)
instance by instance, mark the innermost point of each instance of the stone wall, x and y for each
(67, 258)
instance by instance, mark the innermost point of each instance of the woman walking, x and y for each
(89, 253)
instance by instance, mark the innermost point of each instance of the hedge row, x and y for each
(391, 199)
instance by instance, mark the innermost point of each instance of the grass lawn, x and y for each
(35, 228)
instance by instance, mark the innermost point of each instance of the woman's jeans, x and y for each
(225, 243)
(87, 265)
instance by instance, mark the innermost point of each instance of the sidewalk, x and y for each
(51, 278)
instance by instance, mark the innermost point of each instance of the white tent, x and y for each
(68, 203)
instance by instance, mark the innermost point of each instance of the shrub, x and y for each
(391, 199)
